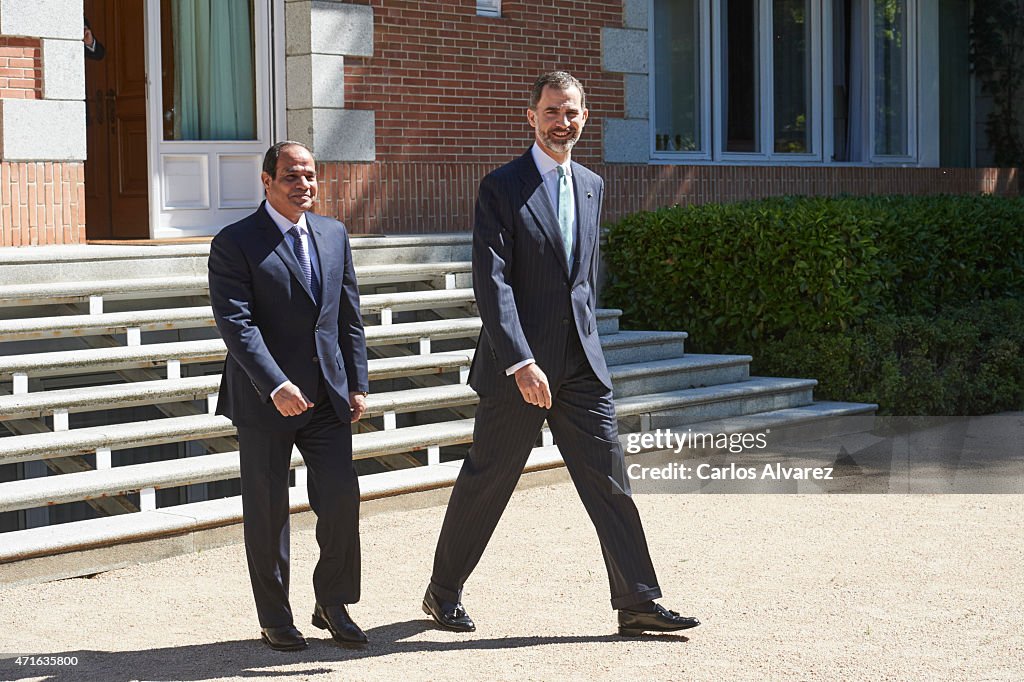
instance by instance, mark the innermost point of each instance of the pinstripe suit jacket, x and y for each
(528, 298)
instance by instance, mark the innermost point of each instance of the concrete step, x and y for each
(202, 316)
(49, 292)
(757, 394)
(88, 398)
(49, 264)
(90, 360)
(629, 345)
(96, 262)
(427, 248)
(689, 371)
(132, 530)
(37, 446)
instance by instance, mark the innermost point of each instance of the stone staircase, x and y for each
(109, 369)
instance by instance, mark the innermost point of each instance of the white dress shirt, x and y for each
(285, 226)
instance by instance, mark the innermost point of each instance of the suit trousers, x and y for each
(326, 446)
(582, 420)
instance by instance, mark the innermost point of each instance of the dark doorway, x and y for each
(116, 170)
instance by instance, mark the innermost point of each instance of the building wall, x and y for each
(448, 85)
(448, 90)
(42, 123)
(388, 197)
(21, 68)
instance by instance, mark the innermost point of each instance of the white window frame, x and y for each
(911, 85)
(821, 105)
(705, 153)
(488, 8)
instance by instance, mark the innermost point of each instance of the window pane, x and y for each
(209, 85)
(740, 70)
(677, 76)
(792, 77)
(890, 55)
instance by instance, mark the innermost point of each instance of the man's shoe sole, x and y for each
(426, 610)
(636, 632)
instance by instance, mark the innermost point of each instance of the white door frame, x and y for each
(196, 188)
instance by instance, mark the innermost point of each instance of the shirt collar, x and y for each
(283, 223)
(545, 164)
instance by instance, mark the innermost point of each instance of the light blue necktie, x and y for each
(565, 212)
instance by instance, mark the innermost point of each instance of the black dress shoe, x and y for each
(340, 624)
(449, 615)
(284, 638)
(633, 623)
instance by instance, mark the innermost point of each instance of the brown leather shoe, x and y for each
(283, 638)
(341, 626)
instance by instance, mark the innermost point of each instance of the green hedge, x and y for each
(914, 303)
(738, 275)
(962, 361)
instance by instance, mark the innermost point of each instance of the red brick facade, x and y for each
(404, 197)
(42, 203)
(450, 86)
(21, 68)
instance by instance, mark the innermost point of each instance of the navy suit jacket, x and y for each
(273, 329)
(528, 298)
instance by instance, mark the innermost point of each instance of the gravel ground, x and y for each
(822, 587)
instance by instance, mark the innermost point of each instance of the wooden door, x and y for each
(116, 171)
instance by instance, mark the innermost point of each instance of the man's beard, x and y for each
(560, 146)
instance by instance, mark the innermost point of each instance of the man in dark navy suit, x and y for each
(535, 260)
(285, 299)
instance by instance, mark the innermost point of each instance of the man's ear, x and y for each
(531, 116)
(266, 180)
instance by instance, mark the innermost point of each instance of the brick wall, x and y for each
(416, 197)
(21, 68)
(448, 85)
(42, 203)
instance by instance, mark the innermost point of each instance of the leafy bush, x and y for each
(738, 275)
(910, 302)
(963, 361)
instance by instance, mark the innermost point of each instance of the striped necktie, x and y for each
(307, 268)
(565, 212)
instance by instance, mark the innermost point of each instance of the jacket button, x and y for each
(565, 320)
(316, 359)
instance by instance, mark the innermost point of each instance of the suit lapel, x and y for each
(586, 217)
(284, 250)
(539, 204)
(327, 254)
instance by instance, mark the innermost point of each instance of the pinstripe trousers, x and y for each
(582, 420)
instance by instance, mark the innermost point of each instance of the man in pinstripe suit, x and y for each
(535, 258)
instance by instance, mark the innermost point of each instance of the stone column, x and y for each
(320, 34)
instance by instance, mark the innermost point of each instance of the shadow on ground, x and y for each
(250, 659)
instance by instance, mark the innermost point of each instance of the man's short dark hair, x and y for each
(270, 158)
(563, 80)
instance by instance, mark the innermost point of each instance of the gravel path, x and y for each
(852, 587)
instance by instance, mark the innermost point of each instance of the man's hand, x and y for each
(357, 401)
(290, 402)
(533, 384)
